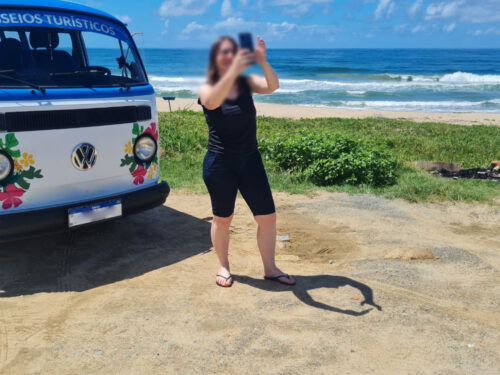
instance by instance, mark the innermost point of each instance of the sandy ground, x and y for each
(138, 295)
(297, 112)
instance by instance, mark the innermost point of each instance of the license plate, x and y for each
(93, 213)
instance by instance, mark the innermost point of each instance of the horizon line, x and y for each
(326, 49)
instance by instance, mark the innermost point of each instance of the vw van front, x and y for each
(78, 123)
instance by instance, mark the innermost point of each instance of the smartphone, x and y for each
(246, 41)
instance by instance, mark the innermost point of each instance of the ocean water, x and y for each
(431, 80)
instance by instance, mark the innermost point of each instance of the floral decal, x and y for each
(140, 170)
(24, 172)
(11, 197)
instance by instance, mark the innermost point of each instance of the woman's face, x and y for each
(225, 56)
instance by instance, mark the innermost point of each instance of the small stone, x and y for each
(356, 298)
(284, 238)
(330, 261)
(99, 352)
(471, 345)
(57, 347)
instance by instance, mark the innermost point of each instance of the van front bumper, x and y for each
(55, 219)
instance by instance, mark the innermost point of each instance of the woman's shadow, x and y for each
(307, 283)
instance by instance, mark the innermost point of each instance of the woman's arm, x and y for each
(269, 83)
(213, 96)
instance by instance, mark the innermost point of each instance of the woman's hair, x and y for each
(212, 74)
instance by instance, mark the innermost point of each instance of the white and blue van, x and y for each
(78, 127)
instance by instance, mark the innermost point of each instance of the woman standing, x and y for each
(232, 161)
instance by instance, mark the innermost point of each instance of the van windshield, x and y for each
(53, 57)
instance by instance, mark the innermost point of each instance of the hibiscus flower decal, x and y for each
(139, 174)
(140, 170)
(12, 189)
(152, 131)
(11, 197)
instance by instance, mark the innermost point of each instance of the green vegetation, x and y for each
(330, 159)
(385, 147)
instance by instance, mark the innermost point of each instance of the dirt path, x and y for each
(137, 296)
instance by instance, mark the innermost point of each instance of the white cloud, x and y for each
(465, 10)
(271, 30)
(226, 9)
(165, 26)
(449, 28)
(297, 7)
(178, 8)
(490, 31)
(124, 18)
(415, 7)
(443, 10)
(417, 29)
(193, 27)
(234, 23)
(384, 9)
(279, 29)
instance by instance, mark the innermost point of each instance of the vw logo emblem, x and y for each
(84, 156)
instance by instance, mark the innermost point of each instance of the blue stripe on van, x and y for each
(58, 5)
(74, 93)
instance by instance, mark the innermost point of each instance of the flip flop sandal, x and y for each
(277, 279)
(225, 278)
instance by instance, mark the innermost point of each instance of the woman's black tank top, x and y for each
(232, 126)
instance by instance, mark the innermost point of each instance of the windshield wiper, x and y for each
(4, 74)
(121, 84)
(79, 73)
(75, 73)
(114, 81)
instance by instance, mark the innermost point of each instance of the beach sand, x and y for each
(297, 112)
(138, 295)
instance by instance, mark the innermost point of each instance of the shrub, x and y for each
(331, 159)
(182, 132)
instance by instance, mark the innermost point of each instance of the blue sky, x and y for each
(313, 23)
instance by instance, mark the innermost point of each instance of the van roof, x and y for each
(57, 5)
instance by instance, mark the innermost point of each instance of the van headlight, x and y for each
(145, 148)
(6, 166)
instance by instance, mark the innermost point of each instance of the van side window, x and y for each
(65, 43)
(10, 35)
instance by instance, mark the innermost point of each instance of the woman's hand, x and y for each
(260, 51)
(243, 59)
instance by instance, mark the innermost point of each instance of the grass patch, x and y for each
(184, 137)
